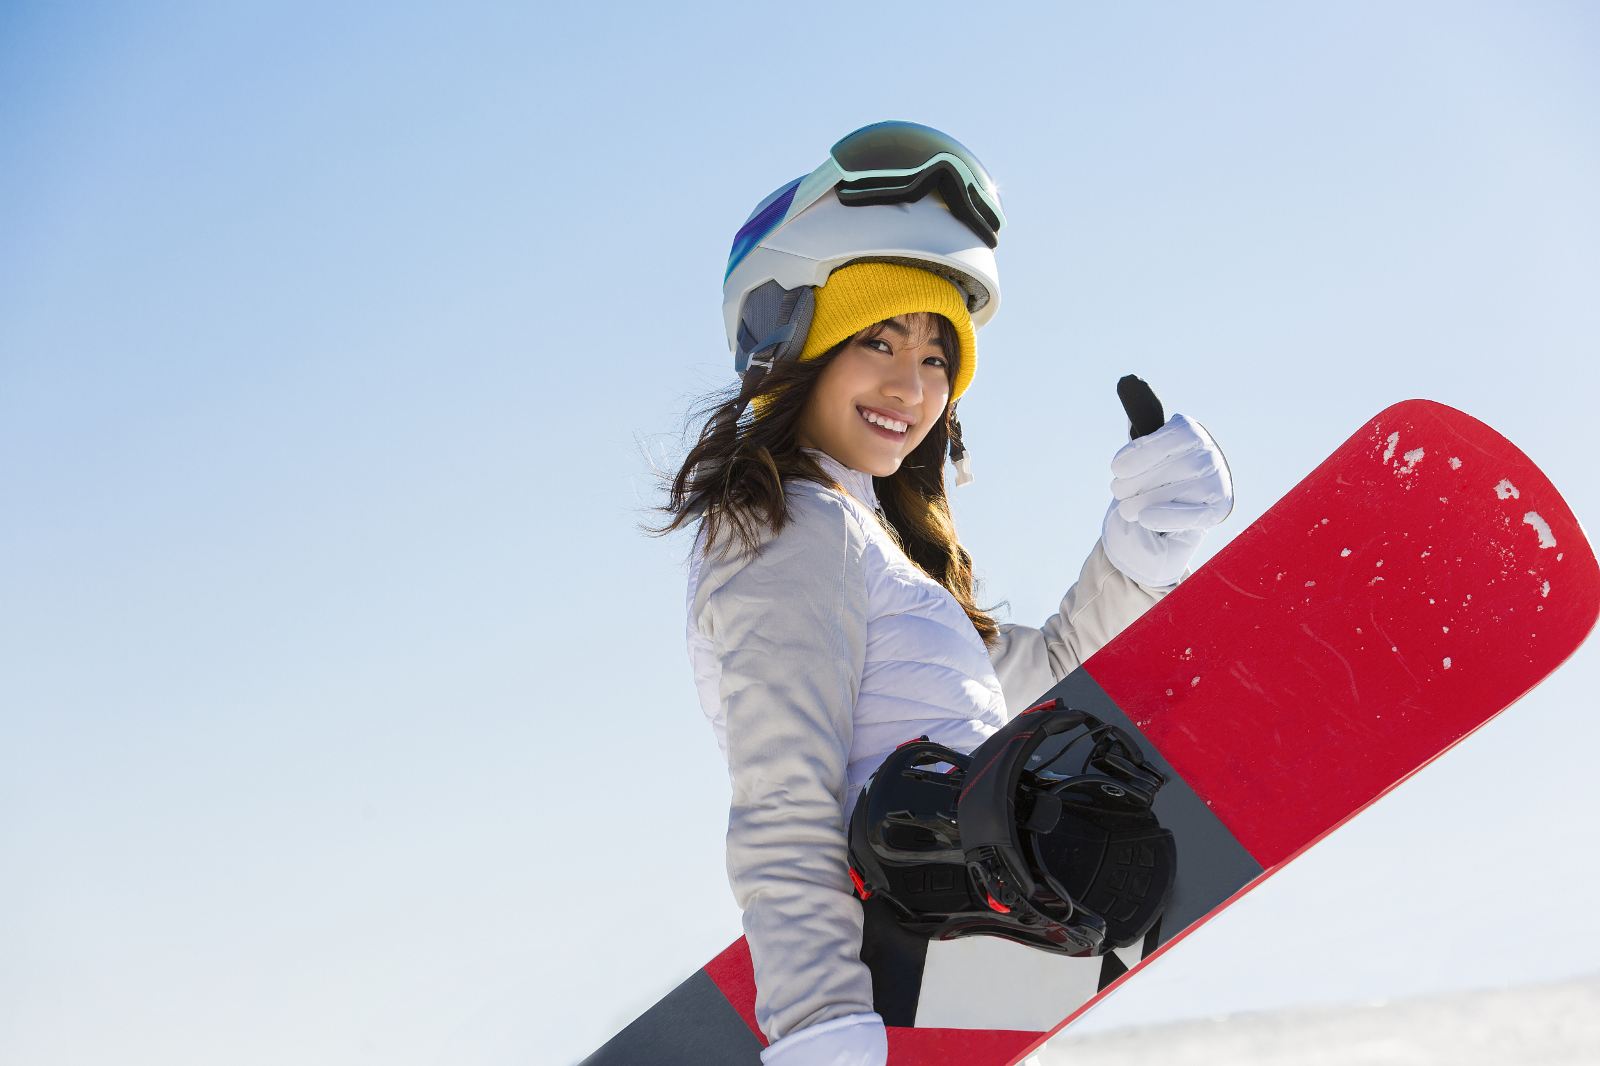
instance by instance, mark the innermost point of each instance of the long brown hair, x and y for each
(733, 477)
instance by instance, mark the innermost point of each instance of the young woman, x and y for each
(830, 604)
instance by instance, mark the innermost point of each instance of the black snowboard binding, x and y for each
(1074, 864)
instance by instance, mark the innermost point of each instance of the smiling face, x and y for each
(894, 372)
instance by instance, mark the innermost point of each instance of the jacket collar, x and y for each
(857, 483)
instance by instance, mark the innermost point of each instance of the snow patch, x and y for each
(1506, 490)
(1344, 554)
(1394, 442)
(1455, 463)
(1544, 590)
(1547, 539)
(1447, 662)
(1550, 1023)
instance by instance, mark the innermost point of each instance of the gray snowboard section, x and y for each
(693, 1025)
(1212, 865)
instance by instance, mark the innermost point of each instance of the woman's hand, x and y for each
(1168, 488)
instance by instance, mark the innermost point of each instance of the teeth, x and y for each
(886, 423)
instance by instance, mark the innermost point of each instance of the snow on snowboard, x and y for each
(1420, 580)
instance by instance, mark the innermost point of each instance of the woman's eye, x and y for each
(938, 360)
(875, 340)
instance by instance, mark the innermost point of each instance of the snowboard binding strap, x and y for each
(1076, 864)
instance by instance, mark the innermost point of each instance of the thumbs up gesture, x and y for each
(1167, 489)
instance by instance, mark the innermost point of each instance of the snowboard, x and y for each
(1415, 584)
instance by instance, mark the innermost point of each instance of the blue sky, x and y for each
(345, 713)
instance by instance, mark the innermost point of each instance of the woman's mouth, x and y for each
(883, 425)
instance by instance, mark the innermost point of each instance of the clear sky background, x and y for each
(345, 714)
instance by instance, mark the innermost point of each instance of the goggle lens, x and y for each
(894, 158)
(903, 146)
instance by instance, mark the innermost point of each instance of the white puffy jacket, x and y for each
(813, 659)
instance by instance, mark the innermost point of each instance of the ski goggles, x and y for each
(885, 163)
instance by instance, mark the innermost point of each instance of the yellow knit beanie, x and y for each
(856, 296)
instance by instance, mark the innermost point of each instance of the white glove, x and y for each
(1168, 488)
(853, 1040)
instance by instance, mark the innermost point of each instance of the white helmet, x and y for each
(869, 201)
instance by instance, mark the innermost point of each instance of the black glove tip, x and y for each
(1145, 414)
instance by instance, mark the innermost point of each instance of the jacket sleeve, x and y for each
(789, 629)
(1101, 604)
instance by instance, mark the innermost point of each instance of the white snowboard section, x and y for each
(1036, 987)
(1548, 1025)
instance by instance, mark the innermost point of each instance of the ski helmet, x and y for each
(1075, 865)
(868, 201)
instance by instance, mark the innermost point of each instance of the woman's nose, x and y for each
(903, 382)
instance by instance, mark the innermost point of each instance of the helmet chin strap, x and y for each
(958, 451)
(754, 372)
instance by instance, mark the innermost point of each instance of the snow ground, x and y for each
(1548, 1025)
